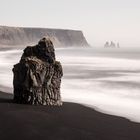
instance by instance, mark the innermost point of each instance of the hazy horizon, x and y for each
(100, 21)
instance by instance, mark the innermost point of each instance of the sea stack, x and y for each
(37, 77)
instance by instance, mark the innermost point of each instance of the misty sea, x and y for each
(107, 80)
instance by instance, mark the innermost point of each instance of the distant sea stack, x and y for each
(18, 36)
(111, 45)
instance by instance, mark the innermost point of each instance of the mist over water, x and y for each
(107, 80)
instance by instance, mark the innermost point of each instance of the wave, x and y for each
(108, 84)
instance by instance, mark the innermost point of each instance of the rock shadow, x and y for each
(6, 97)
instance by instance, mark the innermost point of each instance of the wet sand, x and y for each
(70, 122)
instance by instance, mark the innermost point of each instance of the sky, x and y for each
(100, 20)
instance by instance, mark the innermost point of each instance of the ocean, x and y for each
(107, 80)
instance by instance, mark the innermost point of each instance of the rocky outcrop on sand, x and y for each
(22, 36)
(37, 77)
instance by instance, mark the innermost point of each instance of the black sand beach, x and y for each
(69, 122)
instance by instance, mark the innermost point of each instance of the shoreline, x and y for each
(70, 122)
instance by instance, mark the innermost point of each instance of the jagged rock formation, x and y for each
(111, 45)
(23, 36)
(37, 77)
(107, 45)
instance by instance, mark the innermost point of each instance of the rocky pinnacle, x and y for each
(37, 77)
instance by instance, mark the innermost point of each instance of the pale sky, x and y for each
(100, 20)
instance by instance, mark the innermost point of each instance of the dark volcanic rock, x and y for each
(37, 77)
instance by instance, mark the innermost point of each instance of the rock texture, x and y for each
(37, 77)
(23, 36)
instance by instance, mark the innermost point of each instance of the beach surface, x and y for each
(70, 122)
